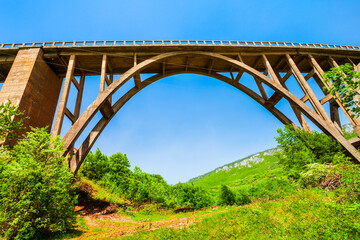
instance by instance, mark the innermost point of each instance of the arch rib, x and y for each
(94, 107)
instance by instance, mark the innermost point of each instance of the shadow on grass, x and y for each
(59, 236)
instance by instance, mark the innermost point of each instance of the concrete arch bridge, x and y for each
(37, 77)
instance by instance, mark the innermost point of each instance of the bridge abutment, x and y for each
(33, 86)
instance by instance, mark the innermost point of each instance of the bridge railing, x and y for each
(174, 43)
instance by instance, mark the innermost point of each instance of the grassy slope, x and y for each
(306, 214)
(241, 176)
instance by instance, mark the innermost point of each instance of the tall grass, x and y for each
(307, 214)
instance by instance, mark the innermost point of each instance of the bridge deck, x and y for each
(121, 54)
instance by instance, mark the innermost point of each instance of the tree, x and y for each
(345, 86)
(8, 126)
(36, 192)
(94, 166)
(300, 148)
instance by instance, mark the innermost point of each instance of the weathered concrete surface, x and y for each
(33, 86)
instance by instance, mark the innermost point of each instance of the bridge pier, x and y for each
(33, 86)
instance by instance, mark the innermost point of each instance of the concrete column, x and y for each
(33, 86)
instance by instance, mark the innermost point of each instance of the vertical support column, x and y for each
(64, 96)
(357, 127)
(106, 109)
(32, 86)
(334, 114)
(137, 78)
(79, 97)
(103, 74)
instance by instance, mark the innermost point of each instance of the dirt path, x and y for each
(114, 225)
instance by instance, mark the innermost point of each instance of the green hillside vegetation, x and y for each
(241, 176)
(306, 214)
(310, 190)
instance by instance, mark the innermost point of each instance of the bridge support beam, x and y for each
(33, 86)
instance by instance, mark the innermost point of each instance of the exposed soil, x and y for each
(102, 220)
(113, 225)
(88, 206)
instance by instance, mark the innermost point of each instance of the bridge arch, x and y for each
(318, 117)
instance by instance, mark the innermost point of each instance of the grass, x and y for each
(168, 214)
(100, 193)
(306, 214)
(350, 135)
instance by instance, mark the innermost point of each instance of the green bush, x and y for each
(94, 166)
(271, 188)
(188, 195)
(242, 198)
(300, 148)
(350, 182)
(10, 122)
(226, 196)
(314, 174)
(36, 194)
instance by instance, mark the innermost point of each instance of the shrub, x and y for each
(350, 180)
(271, 188)
(314, 174)
(242, 198)
(188, 195)
(95, 165)
(301, 148)
(226, 196)
(36, 194)
(8, 126)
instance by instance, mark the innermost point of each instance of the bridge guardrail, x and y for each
(174, 43)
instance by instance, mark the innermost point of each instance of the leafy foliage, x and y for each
(95, 165)
(345, 86)
(8, 126)
(186, 194)
(36, 194)
(140, 187)
(226, 197)
(314, 174)
(301, 148)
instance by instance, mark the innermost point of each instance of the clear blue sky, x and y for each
(186, 125)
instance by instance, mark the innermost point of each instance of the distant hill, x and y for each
(246, 161)
(233, 174)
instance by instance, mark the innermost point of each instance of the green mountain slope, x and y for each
(242, 172)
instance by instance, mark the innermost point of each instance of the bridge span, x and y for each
(37, 77)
